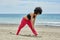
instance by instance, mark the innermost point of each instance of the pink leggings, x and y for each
(23, 23)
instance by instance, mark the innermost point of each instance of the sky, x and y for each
(27, 6)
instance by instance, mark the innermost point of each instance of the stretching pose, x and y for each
(30, 20)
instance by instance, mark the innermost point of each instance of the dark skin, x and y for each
(32, 19)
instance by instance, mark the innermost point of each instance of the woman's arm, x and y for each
(33, 21)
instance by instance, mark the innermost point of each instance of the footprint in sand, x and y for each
(11, 33)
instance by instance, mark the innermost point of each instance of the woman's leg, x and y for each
(32, 28)
(23, 23)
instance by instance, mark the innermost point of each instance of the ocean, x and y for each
(43, 19)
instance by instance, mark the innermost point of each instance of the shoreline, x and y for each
(34, 25)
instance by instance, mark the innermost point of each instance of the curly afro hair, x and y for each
(38, 10)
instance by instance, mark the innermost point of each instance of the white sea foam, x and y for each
(48, 23)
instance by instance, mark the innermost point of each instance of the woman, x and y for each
(30, 20)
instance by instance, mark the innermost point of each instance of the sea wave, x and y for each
(49, 23)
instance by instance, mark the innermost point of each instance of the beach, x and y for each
(8, 31)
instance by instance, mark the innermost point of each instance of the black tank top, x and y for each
(29, 16)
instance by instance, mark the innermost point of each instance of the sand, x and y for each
(7, 32)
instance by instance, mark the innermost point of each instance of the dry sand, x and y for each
(7, 32)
